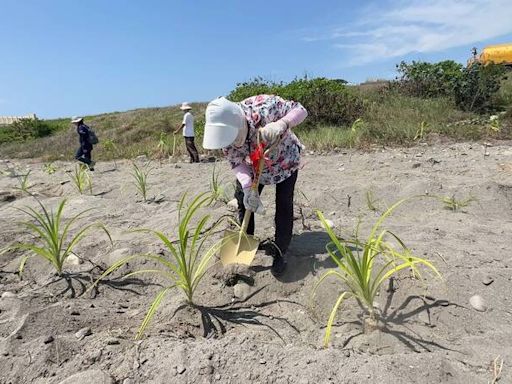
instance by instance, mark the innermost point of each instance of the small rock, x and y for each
(75, 313)
(83, 333)
(477, 302)
(416, 165)
(217, 376)
(262, 361)
(241, 291)
(128, 381)
(48, 339)
(8, 295)
(72, 259)
(180, 369)
(112, 341)
(346, 353)
(488, 280)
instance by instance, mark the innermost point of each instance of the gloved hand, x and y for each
(271, 133)
(252, 201)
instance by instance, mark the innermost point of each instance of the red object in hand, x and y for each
(256, 156)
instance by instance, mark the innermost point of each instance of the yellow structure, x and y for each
(497, 54)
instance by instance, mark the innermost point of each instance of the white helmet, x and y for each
(224, 120)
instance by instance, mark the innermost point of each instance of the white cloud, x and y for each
(408, 26)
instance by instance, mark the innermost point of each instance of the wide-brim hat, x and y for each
(76, 119)
(185, 106)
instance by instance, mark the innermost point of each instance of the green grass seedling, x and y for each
(23, 181)
(217, 189)
(81, 178)
(140, 178)
(454, 204)
(422, 129)
(371, 201)
(110, 147)
(52, 235)
(49, 168)
(164, 145)
(187, 258)
(363, 270)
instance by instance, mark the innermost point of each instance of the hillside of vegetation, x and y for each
(427, 102)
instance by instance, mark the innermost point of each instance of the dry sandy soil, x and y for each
(263, 330)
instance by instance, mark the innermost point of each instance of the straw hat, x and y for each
(76, 119)
(185, 106)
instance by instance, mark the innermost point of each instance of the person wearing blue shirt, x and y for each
(83, 154)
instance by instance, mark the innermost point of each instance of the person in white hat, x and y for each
(188, 132)
(83, 154)
(234, 127)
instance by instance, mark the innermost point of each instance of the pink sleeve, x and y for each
(243, 173)
(295, 117)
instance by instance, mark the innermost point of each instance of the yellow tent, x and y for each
(498, 54)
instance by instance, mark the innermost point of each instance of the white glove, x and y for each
(252, 201)
(271, 133)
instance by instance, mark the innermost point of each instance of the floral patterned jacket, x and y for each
(259, 111)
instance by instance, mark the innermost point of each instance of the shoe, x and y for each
(91, 165)
(279, 265)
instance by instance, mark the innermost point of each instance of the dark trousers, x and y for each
(192, 150)
(284, 210)
(84, 155)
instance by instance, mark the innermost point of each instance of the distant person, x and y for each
(235, 127)
(188, 132)
(83, 154)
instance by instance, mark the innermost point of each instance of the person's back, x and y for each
(188, 121)
(187, 125)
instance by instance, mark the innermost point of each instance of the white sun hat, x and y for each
(76, 119)
(185, 106)
(224, 119)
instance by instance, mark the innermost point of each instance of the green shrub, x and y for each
(328, 101)
(473, 89)
(476, 89)
(422, 79)
(26, 129)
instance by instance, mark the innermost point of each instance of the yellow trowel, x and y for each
(237, 246)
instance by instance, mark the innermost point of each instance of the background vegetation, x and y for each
(426, 101)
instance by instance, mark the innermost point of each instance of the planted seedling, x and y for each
(111, 148)
(422, 129)
(363, 266)
(454, 204)
(164, 145)
(52, 235)
(49, 168)
(81, 178)
(23, 181)
(217, 188)
(140, 177)
(187, 258)
(372, 201)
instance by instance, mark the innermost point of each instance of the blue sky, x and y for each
(64, 57)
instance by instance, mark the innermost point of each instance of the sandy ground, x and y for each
(264, 330)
